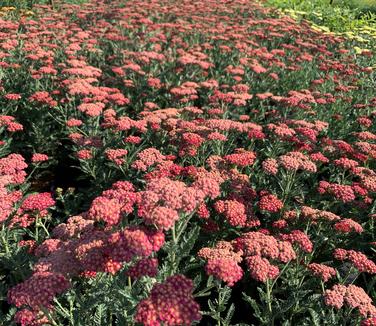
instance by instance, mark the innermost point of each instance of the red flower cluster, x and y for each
(233, 210)
(37, 157)
(353, 296)
(299, 238)
(358, 259)
(343, 193)
(295, 161)
(261, 269)
(113, 203)
(147, 158)
(39, 290)
(369, 322)
(322, 271)
(241, 157)
(170, 303)
(144, 267)
(38, 202)
(348, 225)
(222, 262)
(270, 203)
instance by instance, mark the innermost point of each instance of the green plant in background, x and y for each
(28, 4)
(354, 19)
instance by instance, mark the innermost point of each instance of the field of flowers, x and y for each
(185, 162)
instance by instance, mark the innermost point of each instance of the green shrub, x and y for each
(353, 18)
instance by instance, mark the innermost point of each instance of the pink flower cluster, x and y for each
(147, 158)
(38, 202)
(38, 157)
(256, 247)
(43, 98)
(295, 161)
(13, 167)
(358, 259)
(241, 157)
(10, 123)
(144, 267)
(169, 303)
(261, 269)
(315, 215)
(269, 203)
(83, 250)
(257, 243)
(116, 155)
(343, 193)
(353, 296)
(322, 271)
(300, 238)
(163, 200)
(270, 166)
(233, 210)
(11, 174)
(223, 262)
(348, 225)
(114, 203)
(38, 291)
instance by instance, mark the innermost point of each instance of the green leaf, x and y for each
(229, 315)
(99, 313)
(252, 302)
(188, 241)
(316, 321)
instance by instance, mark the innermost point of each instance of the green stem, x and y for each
(5, 242)
(71, 312)
(31, 173)
(280, 274)
(348, 275)
(269, 301)
(173, 249)
(289, 184)
(44, 228)
(322, 286)
(183, 227)
(219, 304)
(61, 307)
(37, 228)
(204, 292)
(174, 234)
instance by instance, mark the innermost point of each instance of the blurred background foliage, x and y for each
(355, 19)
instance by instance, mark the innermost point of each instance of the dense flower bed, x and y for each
(188, 162)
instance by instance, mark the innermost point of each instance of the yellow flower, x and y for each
(7, 8)
(28, 13)
(324, 28)
(358, 50)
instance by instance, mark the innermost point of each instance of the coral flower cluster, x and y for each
(169, 303)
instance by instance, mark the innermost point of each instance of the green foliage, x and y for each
(28, 4)
(338, 16)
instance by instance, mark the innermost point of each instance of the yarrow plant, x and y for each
(184, 163)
